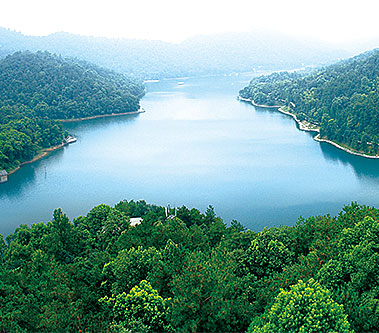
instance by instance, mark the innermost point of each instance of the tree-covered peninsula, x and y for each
(38, 89)
(137, 267)
(342, 100)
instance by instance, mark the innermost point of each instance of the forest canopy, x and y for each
(341, 99)
(190, 272)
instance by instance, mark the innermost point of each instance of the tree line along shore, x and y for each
(340, 100)
(304, 125)
(39, 91)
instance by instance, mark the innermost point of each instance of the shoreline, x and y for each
(347, 150)
(40, 155)
(44, 152)
(141, 110)
(307, 127)
(303, 125)
(258, 105)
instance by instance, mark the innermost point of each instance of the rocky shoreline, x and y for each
(308, 127)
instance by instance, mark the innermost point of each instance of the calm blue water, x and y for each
(196, 145)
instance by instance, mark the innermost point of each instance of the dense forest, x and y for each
(37, 89)
(153, 59)
(190, 272)
(341, 99)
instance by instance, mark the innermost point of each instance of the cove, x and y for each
(196, 145)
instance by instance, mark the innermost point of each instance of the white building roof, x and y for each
(135, 220)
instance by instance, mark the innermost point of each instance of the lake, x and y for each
(196, 145)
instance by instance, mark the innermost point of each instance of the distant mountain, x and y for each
(249, 51)
(38, 88)
(341, 99)
(222, 53)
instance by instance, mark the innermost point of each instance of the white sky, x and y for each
(175, 20)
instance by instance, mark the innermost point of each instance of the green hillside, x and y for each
(36, 89)
(341, 99)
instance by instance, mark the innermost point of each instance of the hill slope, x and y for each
(341, 99)
(37, 89)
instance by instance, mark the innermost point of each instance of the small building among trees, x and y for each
(3, 176)
(135, 220)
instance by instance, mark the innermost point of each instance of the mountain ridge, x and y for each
(199, 55)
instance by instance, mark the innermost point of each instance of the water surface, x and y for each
(196, 145)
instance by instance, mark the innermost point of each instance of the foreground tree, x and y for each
(305, 308)
(142, 310)
(353, 275)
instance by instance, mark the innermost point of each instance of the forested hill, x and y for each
(58, 88)
(38, 88)
(190, 273)
(342, 99)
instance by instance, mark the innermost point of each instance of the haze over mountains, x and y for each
(211, 54)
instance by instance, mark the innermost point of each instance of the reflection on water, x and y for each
(364, 168)
(96, 123)
(196, 145)
(23, 180)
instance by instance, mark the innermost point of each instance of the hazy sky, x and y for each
(175, 20)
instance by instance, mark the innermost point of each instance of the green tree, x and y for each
(306, 307)
(208, 296)
(141, 310)
(353, 274)
(266, 256)
(63, 239)
(129, 268)
(167, 265)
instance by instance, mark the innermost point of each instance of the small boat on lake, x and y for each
(70, 139)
